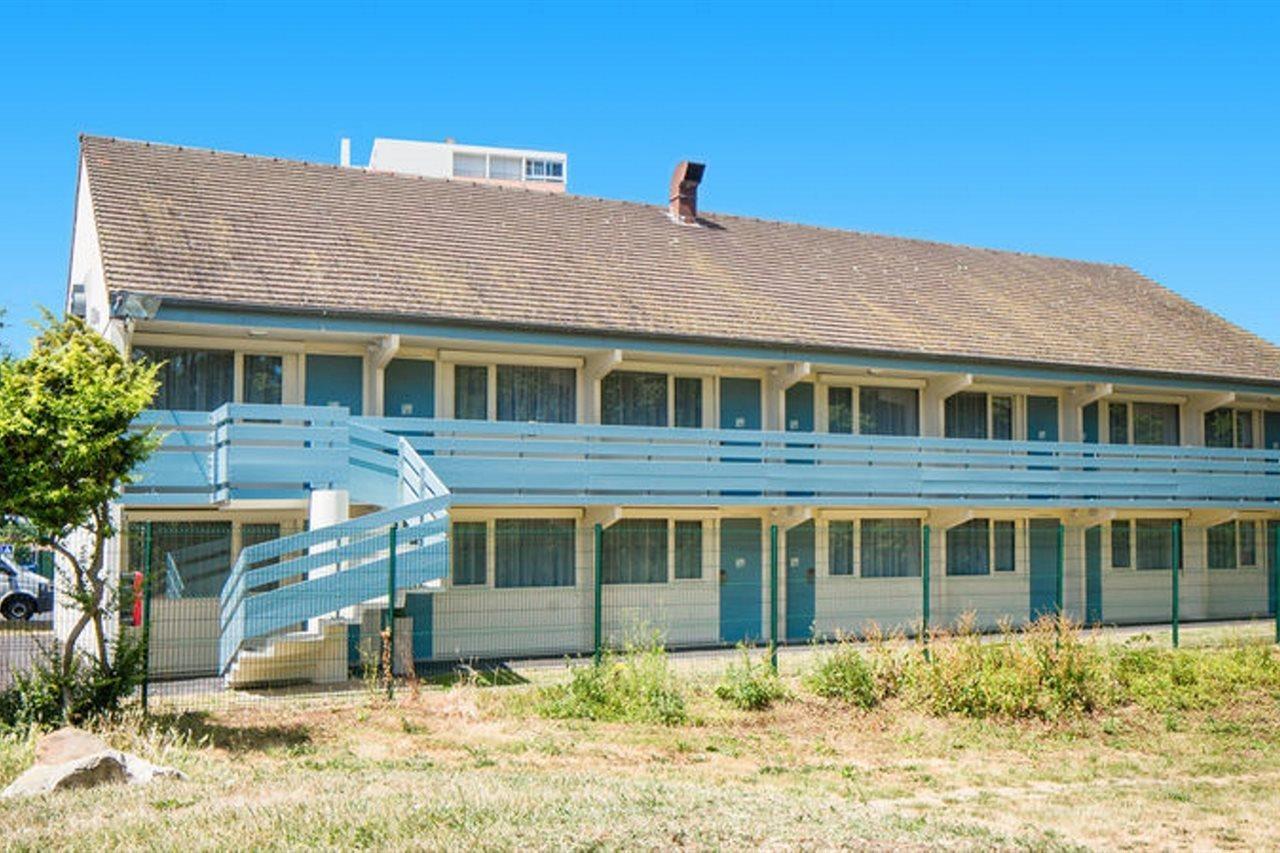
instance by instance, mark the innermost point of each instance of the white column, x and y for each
(325, 508)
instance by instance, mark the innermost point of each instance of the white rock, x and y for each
(107, 767)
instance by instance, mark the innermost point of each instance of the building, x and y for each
(584, 417)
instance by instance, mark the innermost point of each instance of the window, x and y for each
(470, 553)
(468, 165)
(263, 379)
(888, 411)
(969, 548)
(1153, 544)
(533, 552)
(966, 415)
(1121, 545)
(890, 548)
(1002, 418)
(1229, 428)
(544, 170)
(188, 559)
(688, 550)
(255, 533)
(191, 380)
(537, 394)
(471, 392)
(840, 547)
(1142, 423)
(1006, 537)
(688, 402)
(635, 551)
(504, 168)
(1233, 544)
(634, 398)
(840, 410)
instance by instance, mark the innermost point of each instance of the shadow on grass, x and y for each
(233, 738)
(480, 675)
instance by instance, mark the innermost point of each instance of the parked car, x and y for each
(23, 593)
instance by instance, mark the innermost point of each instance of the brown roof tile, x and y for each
(255, 231)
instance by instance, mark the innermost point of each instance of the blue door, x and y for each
(1273, 542)
(1089, 415)
(1042, 418)
(409, 389)
(419, 606)
(336, 380)
(799, 418)
(740, 579)
(739, 409)
(801, 570)
(1044, 566)
(1271, 430)
(1093, 575)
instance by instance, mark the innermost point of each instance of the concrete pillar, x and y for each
(326, 507)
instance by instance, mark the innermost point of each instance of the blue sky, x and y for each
(1141, 134)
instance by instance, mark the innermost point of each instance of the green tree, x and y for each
(66, 411)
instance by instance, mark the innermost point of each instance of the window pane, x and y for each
(890, 548)
(1248, 544)
(468, 165)
(689, 402)
(1117, 423)
(1244, 429)
(840, 410)
(635, 551)
(1155, 423)
(471, 392)
(504, 168)
(256, 534)
(264, 379)
(1002, 418)
(1222, 546)
(1006, 546)
(191, 380)
(1218, 428)
(538, 394)
(966, 415)
(189, 559)
(1154, 539)
(1120, 550)
(969, 548)
(688, 550)
(888, 411)
(470, 539)
(634, 398)
(533, 552)
(840, 547)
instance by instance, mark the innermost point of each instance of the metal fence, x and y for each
(543, 587)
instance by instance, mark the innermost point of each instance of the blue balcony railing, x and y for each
(498, 463)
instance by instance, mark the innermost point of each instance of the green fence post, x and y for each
(924, 589)
(1177, 570)
(773, 597)
(598, 640)
(391, 611)
(146, 613)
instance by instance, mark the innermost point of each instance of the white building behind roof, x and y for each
(521, 167)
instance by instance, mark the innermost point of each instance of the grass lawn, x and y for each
(471, 766)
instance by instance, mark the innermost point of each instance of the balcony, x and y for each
(243, 451)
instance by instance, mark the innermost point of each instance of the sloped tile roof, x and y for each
(253, 231)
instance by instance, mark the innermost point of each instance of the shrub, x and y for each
(750, 685)
(90, 689)
(634, 686)
(845, 673)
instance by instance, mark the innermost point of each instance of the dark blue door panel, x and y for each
(409, 389)
(336, 380)
(1043, 534)
(739, 409)
(1093, 575)
(741, 597)
(801, 565)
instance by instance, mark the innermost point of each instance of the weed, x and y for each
(636, 685)
(750, 685)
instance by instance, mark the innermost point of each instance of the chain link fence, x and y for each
(517, 591)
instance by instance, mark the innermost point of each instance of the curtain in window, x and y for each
(1248, 543)
(191, 380)
(264, 379)
(533, 552)
(1154, 541)
(188, 559)
(1117, 423)
(1219, 431)
(890, 548)
(1244, 429)
(1222, 546)
(689, 402)
(688, 550)
(469, 553)
(888, 411)
(538, 394)
(1155, 423)
(1002, 418)
(471, 392)
(1120, 556)
(1006, 546)
(969, 548)
(635, 551)
(966, 415)
(634, 398)
(840, 547)
(840, 410)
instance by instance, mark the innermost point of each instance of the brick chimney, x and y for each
(683, 202)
